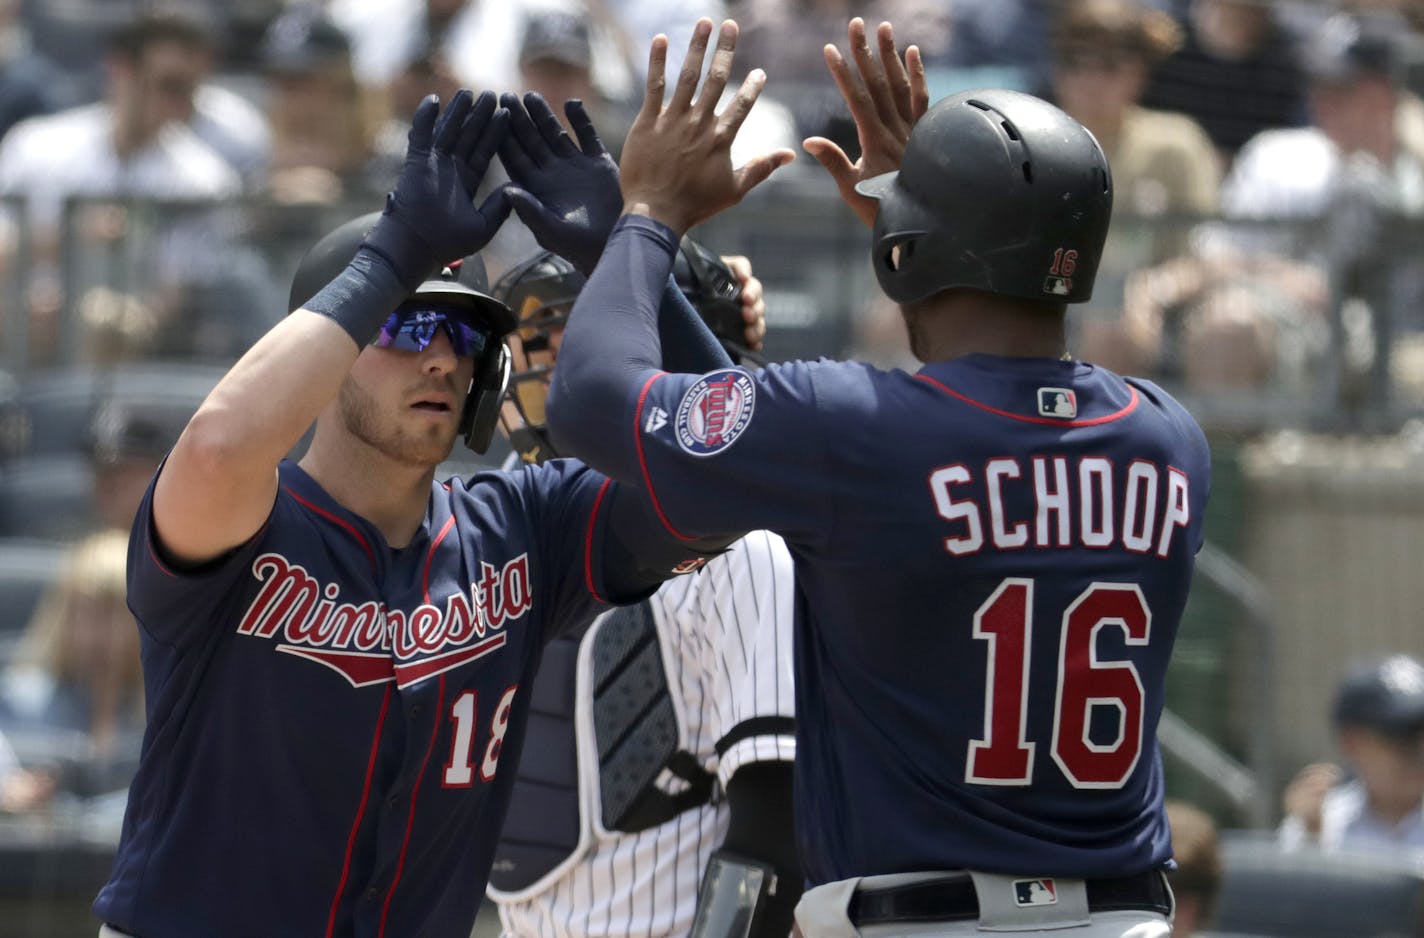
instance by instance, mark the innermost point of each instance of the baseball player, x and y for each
(988, 582)
(338, 652)
(661, 738)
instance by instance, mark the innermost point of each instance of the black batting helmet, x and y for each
(1386, 695)
(998, 191)
(461, 283)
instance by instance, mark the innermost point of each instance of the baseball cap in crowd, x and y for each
(1346, 47)
(556, 36)
(1386, 695)
(302, 39)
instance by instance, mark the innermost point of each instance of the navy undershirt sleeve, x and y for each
(688, 345)
(611, 347)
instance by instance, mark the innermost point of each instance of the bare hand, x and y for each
(1305, 795)
(676, 163)
(886, 100)
(753, 306)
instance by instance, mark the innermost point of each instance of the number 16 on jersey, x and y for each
(1005, 756)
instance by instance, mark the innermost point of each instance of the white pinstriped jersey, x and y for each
(726, 645)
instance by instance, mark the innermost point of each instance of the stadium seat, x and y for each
(47, 497)
(61, 403)
(1309, 893)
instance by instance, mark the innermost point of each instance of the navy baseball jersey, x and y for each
(992, 557)
(330, 719)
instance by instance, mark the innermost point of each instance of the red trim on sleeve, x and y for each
(588, 541)
(430, 556)
(340, 522)
(1049, 421)
(360, 813)
(410, 816)
(643, 462)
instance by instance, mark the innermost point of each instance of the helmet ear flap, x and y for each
(480, 415)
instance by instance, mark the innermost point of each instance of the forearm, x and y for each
(761, 830)
(688, 345)
(611, 347)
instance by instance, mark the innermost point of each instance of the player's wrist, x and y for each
(401, 246)
(675, 221)
(362, 296)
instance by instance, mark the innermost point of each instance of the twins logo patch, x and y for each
(714, 412)
(1031, 892)
(1057, 402)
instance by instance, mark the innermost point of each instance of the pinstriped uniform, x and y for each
(726, 645)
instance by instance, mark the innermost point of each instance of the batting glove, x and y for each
(567, 195)
(430, 217)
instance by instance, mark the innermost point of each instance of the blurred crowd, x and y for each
(164, 164)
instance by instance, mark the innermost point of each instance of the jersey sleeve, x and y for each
(735, 450)
(737, 614)
(573, 519)
(174, 604)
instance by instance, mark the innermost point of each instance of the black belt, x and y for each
(951, 897)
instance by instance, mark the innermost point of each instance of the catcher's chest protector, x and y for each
(642, 778)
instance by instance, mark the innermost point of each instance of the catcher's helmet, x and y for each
(462, 284)
(998, 191)
(1386, 695)
(542, 290)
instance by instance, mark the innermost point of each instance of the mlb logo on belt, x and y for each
(1031, 892)
(1057, 402)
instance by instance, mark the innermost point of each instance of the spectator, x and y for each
(1217, 322)
(1345, 184)
(1197, 878)
(1354, 64)
(1376, 803)
(480, 40)
(1102, 52)
(1236, 73)
(322, 145)
(556, 60)
(133, 144)
(72, 700)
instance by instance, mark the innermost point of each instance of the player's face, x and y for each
(405, 403)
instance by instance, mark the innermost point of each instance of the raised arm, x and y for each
(218, 484)
(886, 97)
(676, 171)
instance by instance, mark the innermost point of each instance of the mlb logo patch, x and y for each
(1057, 402)
(1033, 892)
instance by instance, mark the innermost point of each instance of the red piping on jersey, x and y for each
(348, 526)
(588, 541)
(410, 817)
(360, 813)
(1048, 421)
(643, 462)
(430, 556)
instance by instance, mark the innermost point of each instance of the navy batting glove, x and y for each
(430, 217)
(567, 195)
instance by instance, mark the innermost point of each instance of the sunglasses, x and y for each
(412, 329)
